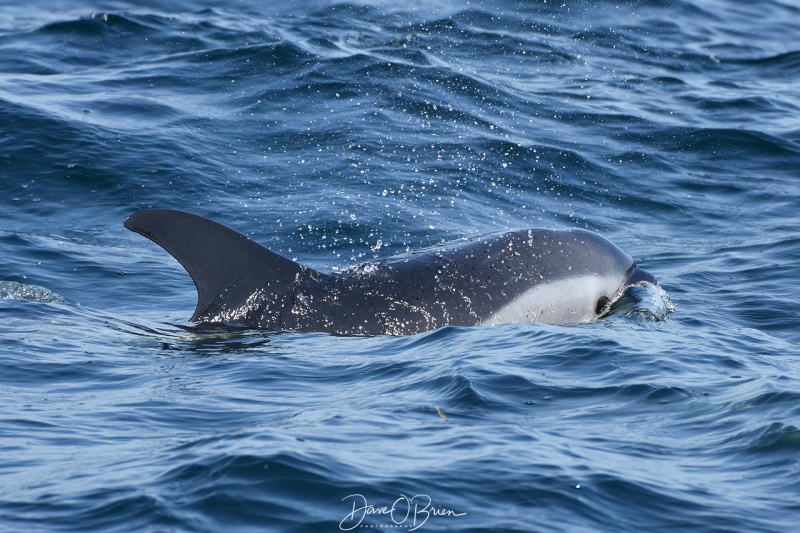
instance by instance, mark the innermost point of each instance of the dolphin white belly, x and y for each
(564, 301)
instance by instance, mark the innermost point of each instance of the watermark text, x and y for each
(408, 512)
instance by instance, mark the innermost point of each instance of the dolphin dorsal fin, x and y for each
(227, 268)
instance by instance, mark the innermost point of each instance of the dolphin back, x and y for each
(235, 276)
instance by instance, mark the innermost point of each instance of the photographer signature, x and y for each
(411, 512)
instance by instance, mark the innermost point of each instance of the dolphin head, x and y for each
(633, 275)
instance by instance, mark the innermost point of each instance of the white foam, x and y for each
(12, 290)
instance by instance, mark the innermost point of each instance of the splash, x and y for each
(12, 290)
(645, 300)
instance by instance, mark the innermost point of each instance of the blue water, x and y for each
(337, 133)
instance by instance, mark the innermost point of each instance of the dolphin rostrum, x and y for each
(534, 275)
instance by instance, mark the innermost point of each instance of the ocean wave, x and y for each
(340, 132)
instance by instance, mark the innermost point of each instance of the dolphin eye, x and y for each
(601, 303)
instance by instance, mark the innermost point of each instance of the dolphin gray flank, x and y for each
(534, 275)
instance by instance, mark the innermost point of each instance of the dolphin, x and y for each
(533, 275)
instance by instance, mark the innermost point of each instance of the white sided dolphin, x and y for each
(535, 275)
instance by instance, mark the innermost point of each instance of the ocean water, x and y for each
(341, 132)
